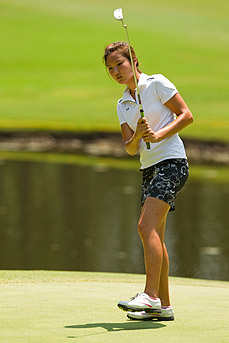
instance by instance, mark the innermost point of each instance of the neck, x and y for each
(132, 86)
(132, 93)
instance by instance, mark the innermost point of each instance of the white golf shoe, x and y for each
(141, 302)
(166, 314)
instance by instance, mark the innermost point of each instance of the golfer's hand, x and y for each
(144, 131)
(142, 128)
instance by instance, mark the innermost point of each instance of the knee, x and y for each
(143, 230)
(140, 229)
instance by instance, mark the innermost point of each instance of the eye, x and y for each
(110, 68)
(119, 63)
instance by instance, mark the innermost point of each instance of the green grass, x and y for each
(52, 76)
(52, 307)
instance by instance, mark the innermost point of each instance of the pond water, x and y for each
(70, 216)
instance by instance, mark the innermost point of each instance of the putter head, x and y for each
(118, 14)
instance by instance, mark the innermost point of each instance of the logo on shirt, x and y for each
(127, 109)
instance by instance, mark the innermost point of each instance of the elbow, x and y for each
(189, 118)
(130, 152)
(131, 149)
(133, 153)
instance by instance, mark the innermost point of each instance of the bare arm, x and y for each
(184, 118)
(132, 139)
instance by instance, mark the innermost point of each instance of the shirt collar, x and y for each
(141, 83)
(142, 80)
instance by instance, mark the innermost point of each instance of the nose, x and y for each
(116, 71)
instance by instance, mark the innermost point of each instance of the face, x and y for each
(120, 68)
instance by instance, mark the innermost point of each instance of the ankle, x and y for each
(165, 307)
(165, 302)
(152, 295)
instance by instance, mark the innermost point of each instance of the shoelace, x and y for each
(135, 296)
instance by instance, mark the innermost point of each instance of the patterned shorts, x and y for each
(164, 180)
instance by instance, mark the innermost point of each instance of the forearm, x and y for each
(131, 138)
(132, 145)
(183, 120)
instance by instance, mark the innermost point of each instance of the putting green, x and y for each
(53, 307)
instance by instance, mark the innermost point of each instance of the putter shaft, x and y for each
(135, 78)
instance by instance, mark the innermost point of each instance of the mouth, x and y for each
(119, 78)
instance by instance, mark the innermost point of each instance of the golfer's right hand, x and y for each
(142, 128)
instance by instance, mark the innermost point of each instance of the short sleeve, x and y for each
(121, 118)
(164, 88)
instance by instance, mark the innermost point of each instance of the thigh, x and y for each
(153, 214)
(164, 180)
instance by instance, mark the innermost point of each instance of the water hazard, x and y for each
(83, 217)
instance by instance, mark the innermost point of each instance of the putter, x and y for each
(119, 16)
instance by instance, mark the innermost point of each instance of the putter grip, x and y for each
(142, 115)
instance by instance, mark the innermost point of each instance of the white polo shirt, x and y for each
(155, 91)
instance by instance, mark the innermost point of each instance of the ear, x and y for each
(135, 60)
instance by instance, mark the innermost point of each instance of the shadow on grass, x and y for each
(109, 327)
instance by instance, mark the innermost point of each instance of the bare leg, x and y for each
(152, 219)
(163, 293)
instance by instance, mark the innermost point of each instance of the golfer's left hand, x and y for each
(150, 135)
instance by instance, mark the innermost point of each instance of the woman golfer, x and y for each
(164, 169)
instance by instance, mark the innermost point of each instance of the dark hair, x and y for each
(123, 48)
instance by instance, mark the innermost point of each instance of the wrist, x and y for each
(159, 135)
